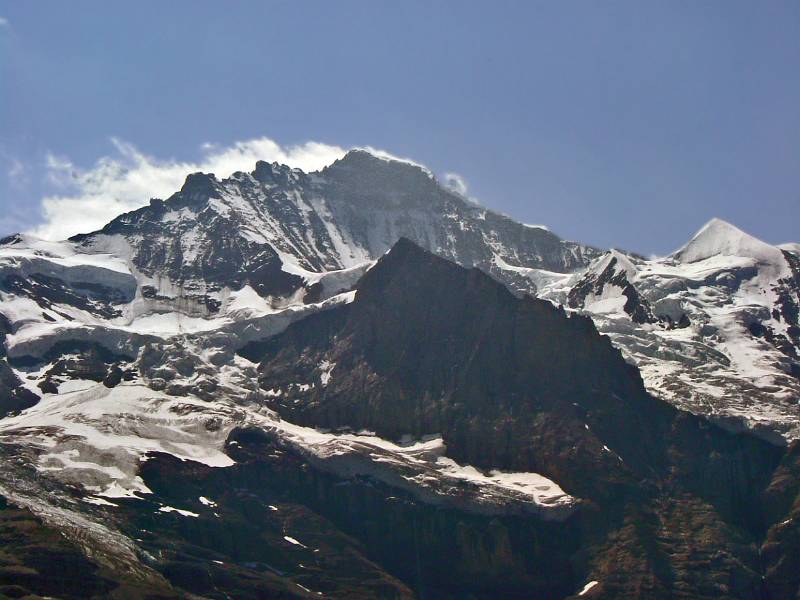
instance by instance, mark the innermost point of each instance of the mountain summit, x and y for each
(720, 238)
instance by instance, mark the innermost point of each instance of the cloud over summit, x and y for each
(86, 199)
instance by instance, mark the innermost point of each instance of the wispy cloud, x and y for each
(17, 173)
(4, 22)
(456, 182)
(89, 198)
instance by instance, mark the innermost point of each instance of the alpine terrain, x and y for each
(357, 383)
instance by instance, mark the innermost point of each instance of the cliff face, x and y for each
(515, 384)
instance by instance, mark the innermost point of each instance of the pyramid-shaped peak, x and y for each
(614, 262)
(619, 260)
(201, 183)
(271, 173)
(720, 238)
(369, 159)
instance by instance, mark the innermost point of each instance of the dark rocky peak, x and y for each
(350, 212)
(381, 180)
(614, 270)
(273, 174)
(200, 186)
(10, 240)
(428, 347)
(358, 159)
(157, 204)
(197, 189)
(428, 277)
(439, 300)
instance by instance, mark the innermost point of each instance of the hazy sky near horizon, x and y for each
(621, 123)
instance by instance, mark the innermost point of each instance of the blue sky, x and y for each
(624, 124)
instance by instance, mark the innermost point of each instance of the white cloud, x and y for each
(383, 154)
(126, 181)
(456, 183)
(4, 22)
(534, 226)
(17, 172)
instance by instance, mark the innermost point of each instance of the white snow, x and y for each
(541, 490)
(64, 254)
(292, 540)
(246, 302)
(184, 513)
(623, 263)
(98, 501)
(74, 385)
(325, 368)
(100, 434)
(610, 302)
(719, 238)
(424, 467)
(173, 323)
(588, 587)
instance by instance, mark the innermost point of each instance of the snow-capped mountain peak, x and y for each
(713, 327)
(720, 238)
(620, 260)
(790, 247)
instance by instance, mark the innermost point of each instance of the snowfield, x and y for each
(96, 437)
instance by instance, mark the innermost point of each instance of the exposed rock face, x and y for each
(514, 386)
(37, 561)
(607, 280)
(351, 532)
(787, 313)
(14, 397)
(382, 201)
(779, 551)
(430, 348)
(83, 361)
(517, 385)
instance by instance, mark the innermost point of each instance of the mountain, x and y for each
(433, 396)
(270, 228)
(357, 383)
(713, 327)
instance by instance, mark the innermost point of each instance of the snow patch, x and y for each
(183, 513)
(292, 540)
(587, 587)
